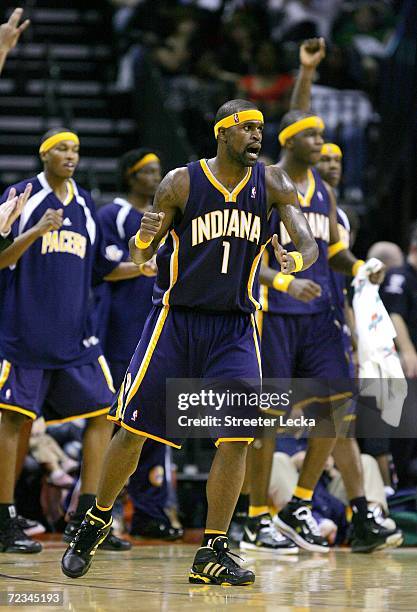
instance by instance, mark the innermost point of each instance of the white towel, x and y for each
(377, 356)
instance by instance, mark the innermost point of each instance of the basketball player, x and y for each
(51, 362)
(311, 341)
(139, 177)
(202, 325)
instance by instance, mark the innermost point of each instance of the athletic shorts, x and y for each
(57, 395)
(310, 347)
(183, 343)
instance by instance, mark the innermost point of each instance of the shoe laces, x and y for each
(225, 558)
(304, 514)
(267, 526)
(87, 534)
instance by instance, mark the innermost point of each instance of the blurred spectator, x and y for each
(388, 252)
(306, 18)
(50, 456)
(269, 87)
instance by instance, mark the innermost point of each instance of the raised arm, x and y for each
(282, 195)
(170, 198)
(312, 51)
(10, 33)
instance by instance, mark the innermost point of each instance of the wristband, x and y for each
(140, 244)
(281, 281)
(358, 264)
(298, 260)
(335, 248)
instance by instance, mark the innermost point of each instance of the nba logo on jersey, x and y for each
(236, 118)
(134, 415)
(320, 196)
(253, 192)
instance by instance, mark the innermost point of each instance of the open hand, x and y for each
(287, 262)
(11, 31)
(12, 207)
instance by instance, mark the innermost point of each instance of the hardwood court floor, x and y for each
(154, 577)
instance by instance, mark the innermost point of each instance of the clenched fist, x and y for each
(304, 290)
(312, 51)
(150, 225)
(51, 220)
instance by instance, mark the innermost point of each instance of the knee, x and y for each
(130, 440)
(13, 420)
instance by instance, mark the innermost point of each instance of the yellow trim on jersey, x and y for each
(229, 196)
(252, 273)
(57, 138)
(4, 372)
(257, 349)
(147, 356)
(237, 118)
(86, 415)
(173, 267)
(106, 371)
(322, 400)
(299, 126)
(70, 193)
(259, 318)
(305, 200)
(220, 440)
(28, 413)
(335, 248)
(263, 289)
(144, 434)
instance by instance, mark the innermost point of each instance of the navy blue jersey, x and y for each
(210, 259)
(315, 204)
(337, 279)
(44, 319)
(130, 301)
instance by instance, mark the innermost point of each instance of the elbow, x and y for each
(313, 254)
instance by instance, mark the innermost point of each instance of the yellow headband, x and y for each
(331, 149)
(147, 159)
(53, 140)
(236, 118)
(300, 126)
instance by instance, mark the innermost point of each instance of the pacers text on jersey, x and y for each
(64, 241)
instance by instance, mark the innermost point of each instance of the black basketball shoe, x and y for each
(79, 554)
(111, 542)
(14, 540)
(261, 534)
(297, 523)
(214, 565)
(369, 535)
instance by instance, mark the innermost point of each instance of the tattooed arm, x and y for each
(312, 52)
(282, 195)
(170, 198)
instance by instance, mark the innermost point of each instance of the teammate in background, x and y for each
(10, 33)
(306, 335)
(51, 362)
(139, 177)
(202, 322)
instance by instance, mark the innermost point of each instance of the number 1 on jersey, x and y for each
(226, 254)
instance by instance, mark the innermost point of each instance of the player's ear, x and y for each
(221, 135)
